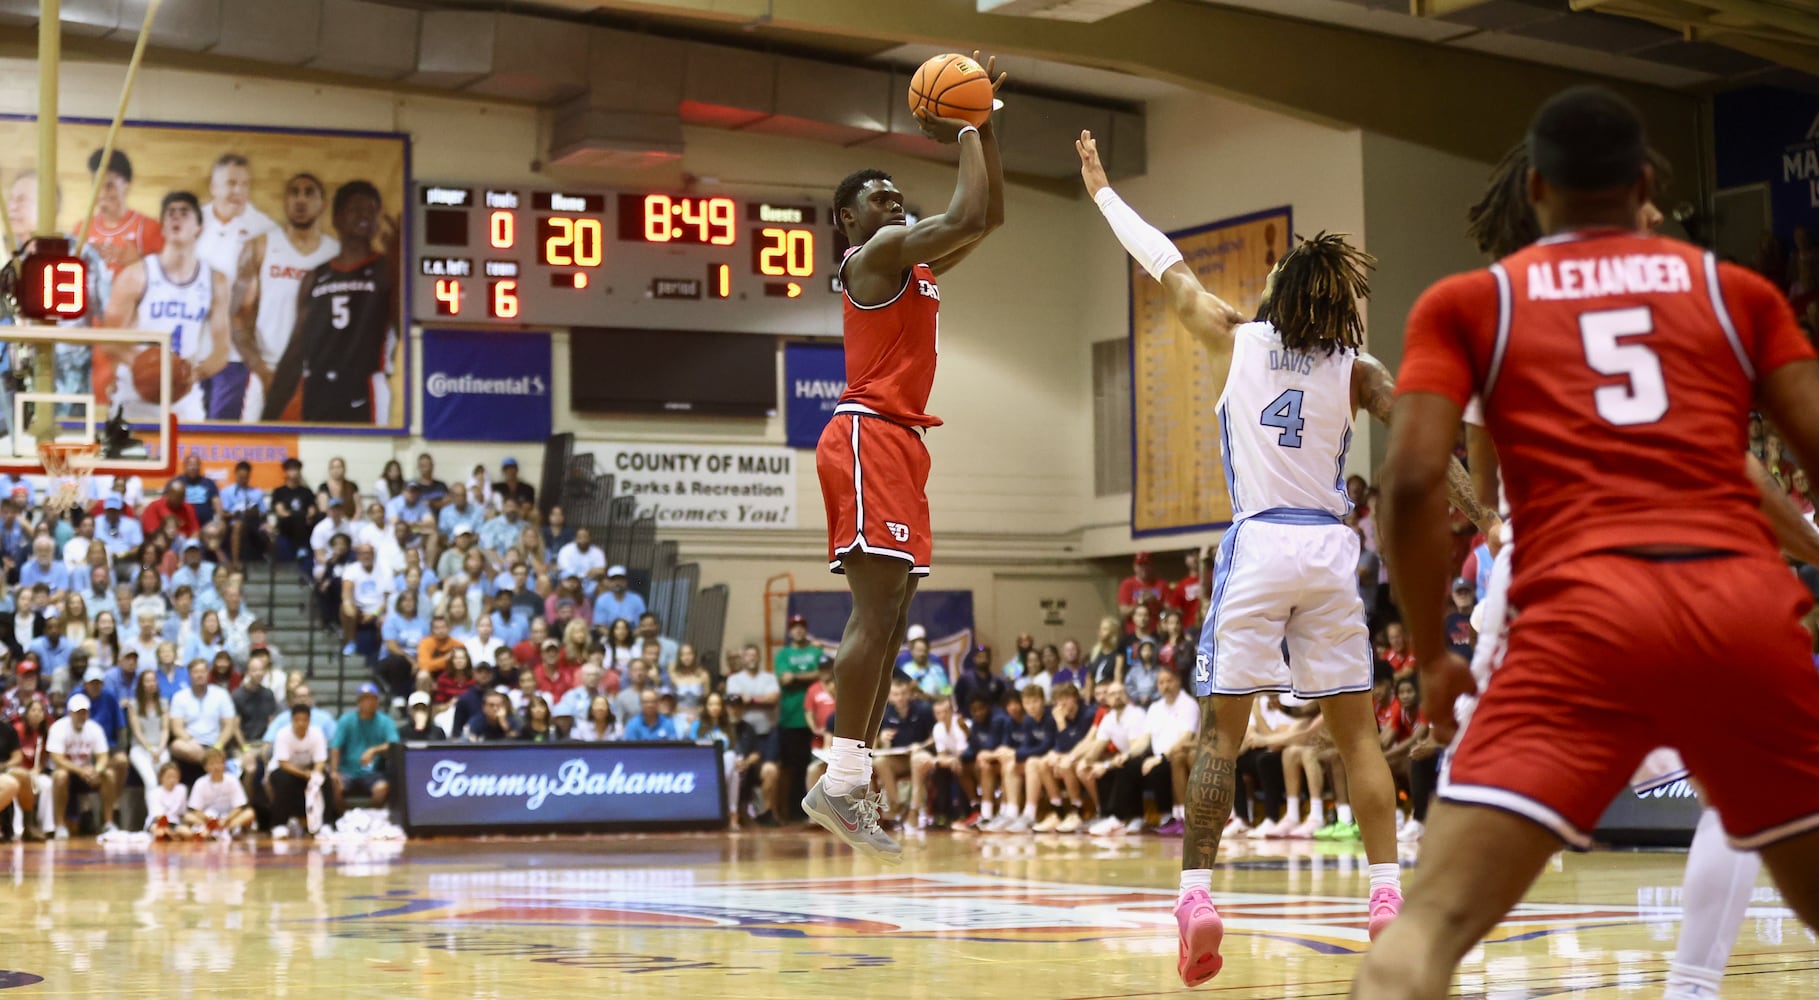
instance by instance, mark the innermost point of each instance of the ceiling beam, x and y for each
(1693, 18)
(1439, 8)
(1469, 103)
(1773, 15)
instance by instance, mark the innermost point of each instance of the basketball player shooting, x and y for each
(347, 311)
(1610, 363)
(1719, 878)
(173, 291)
(871, 459)
(1287, 568)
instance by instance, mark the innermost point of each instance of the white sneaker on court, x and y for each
(854, 820)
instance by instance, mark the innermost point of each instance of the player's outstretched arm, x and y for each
(244, 313)
(1206, 316)
(1796, 534)
(219, 333)
(123, 304)
(1374, 389)
(994, 173)
(290, 366)
(1417, 545)
(895, 249)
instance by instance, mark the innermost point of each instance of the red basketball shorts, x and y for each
(874, 474)
(1613, 656)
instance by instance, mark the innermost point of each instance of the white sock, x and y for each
(1386, 874)
(1291, 814)
(1716, 894)
(849, 767)
(1029, 812)
(1345, 814)
(987, 809)
(1196, 878)
(1685, 983)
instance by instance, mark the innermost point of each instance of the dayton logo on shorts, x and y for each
(898, 531)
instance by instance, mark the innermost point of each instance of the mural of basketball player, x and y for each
(173, 291)
(271, 270)
(229, 220)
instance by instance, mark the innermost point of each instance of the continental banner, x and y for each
(1178, 479)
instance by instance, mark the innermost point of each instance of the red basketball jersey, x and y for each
(1617, 372)
(891, 347)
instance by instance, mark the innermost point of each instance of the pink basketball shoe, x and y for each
(1385, 904)
(1201, 932)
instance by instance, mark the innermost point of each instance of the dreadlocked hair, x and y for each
(844, 195)
(1503, 222)
(1314, 303)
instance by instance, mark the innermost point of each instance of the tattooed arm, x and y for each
(1374, 390)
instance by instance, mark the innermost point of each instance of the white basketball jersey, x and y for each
(220, 242)
(1285, 422)
(180, 309)
(281, 273)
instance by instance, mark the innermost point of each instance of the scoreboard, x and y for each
(509, 256)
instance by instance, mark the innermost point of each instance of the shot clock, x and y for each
(651, 259)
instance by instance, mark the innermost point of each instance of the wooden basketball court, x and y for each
(787, 914)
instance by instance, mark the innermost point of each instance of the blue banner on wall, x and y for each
(484, 386)
(1765, 135)
(558, 786)
(814, 376)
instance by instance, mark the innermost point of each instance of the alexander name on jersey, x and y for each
(1598, 277)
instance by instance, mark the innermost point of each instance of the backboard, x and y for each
(75, 385)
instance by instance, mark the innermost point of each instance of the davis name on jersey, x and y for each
(1285, 425)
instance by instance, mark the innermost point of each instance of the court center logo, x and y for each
(945, 905)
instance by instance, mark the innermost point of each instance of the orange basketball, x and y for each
(146, 374)
(952, 86)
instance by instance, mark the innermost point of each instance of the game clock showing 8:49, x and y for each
(508, 256)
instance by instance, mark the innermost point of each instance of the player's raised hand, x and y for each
(991, 70)
(1443, 679)
(1091, 170)
(944, 130)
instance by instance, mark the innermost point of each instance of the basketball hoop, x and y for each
(68, 464)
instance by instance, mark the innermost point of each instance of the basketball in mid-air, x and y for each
(145, 376)
(952, 86)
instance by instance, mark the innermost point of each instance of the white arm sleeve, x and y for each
(1143, 241)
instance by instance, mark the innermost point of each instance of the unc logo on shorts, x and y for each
(1203, 667)
(898, 531)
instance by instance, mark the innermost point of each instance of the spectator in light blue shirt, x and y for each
(502, 532)
(99, 594)
(196, 573)
(649, 724)
(52, 649)
(121, 536)
(244, 507)
(15, 541)
(510, 622)
(458, 513)
(44, 567)
(408, 506)
(616, 601)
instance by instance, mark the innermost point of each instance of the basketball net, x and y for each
(68, 464)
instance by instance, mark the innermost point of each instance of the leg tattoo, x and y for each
(1210, 791)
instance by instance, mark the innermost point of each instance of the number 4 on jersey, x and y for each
(1284, 413)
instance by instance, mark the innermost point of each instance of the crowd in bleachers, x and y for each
(132, 662)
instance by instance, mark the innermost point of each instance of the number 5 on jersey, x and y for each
(1644, 399)
(338, 312)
